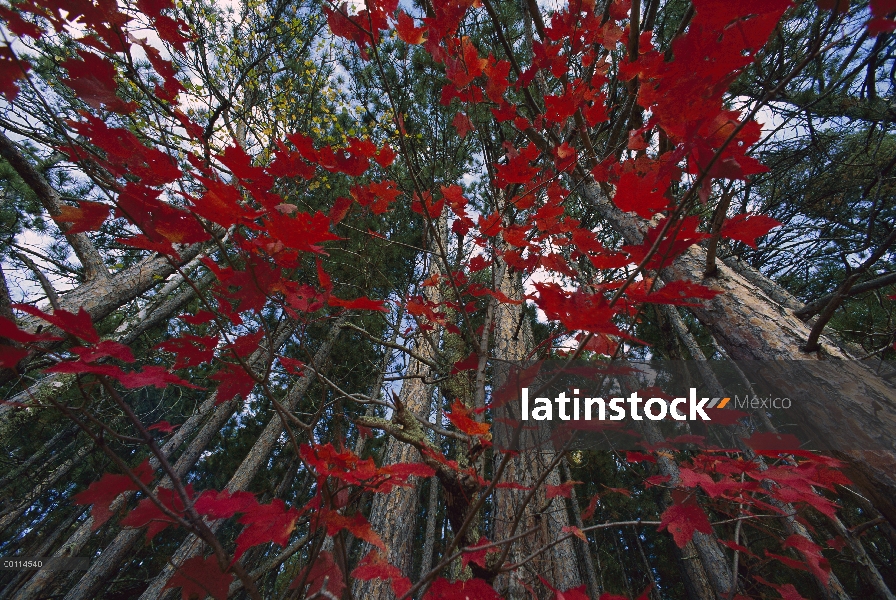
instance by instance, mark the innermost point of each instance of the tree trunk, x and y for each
(833, 589)
(36, 457)
(558, 564)
(853, 415)
(61, 471)
(594, 587)
(708, 552)
(127, 333)
(393, 515)
(432, 510)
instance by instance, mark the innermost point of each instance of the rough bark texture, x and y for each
(586, 563)
(854, 414)
(127, 333)
(833, 589)
(393, 515)
(558, 564)
(100, 297)
(5, 301)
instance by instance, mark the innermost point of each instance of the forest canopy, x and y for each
(271, 272)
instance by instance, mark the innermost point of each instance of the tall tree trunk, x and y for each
(432, 512)
(712, 559)
(158, 313)
(393, 515)
(832, 589)
(5, 300)
(8, 518)
(594, 587)
(38, 456)
(854, 411)
(558, 564)
(42, 546)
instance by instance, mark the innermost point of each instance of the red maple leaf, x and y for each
(105, 349)
(147, 513)
(377, 195)
(93, 79)
(682, 520)
(191, 350)
(357, 525)
(406, 30)
(362, 303)
(578, 593)
(79, 325)
(559, 108)
(101, 494)
(397, 474)
(199, 577)
(463, 124)
(641, 194)
(375, 566)
(87, 216)
(10, 356)
(675, 292)
(163, 426)
(478, 556)
(471, 589)
(223, 504)
(564, 490)
(266, 523)
(11, 331)
(323, 570)
(747, 228)
(461, 417)
(234, 381)
(12, 68)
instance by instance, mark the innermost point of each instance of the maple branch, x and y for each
(562, 538)
(197, 521)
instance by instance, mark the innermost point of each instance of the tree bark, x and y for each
(61, 471)
(558, 564)
(712, 559)
(832, 589)
(393, 515)
(594, 587)
(854, 414)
